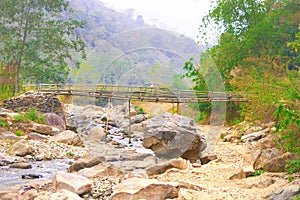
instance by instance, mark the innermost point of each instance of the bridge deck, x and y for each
(140, 93)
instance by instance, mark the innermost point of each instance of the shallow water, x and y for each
(47, 169)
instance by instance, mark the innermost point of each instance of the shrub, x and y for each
(31, 115)
(292, 167)
(19, 133)
(139, 110)
(4, 124)
(258, 172)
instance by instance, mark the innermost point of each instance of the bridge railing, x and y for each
(141, 93)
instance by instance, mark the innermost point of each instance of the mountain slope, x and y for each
(121, 48)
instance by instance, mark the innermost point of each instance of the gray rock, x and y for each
(139, 164)
(160, 168)
(72, 182)
(68, 137)
(86, 161)
(21, 165)
(22, 148)
(6, 160)
(287, 193)
(252, 136)
(43, 129)
(96, 133)
(7, 135)
(265, 155)
(59, 195)
(170, 135)
(56, 121)
(278, 163)
(101, 170)
(246, 172)
(136, 188)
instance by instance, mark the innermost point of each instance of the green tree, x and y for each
(255, 52)
(37, 39)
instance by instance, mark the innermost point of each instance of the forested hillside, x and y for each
(120, 42)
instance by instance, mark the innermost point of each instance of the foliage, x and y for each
(139, 110)
(288, 127)
(37, 39)
(19, 133)
(292, 167)
(5, 92)
(69, 153)
(256, 53)
(259, 172)
(4, 124)
(31, 115)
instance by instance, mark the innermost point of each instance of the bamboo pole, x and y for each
(107, 117)
(129, 119)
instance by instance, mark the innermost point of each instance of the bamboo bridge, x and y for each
(137, 93)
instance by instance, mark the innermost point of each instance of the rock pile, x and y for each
(45, 103)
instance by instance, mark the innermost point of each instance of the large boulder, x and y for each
(43, 129)
(264, 156)
(72, 182)
(56, 121)
(171, 136)
(100, 170)
(86, 161)
(62, 194)
(68, 137)
(22, 148)
(291, 191)
(136, 188)
(96, 133)
(278, 163)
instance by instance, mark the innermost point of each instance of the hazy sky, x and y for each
(177, 15)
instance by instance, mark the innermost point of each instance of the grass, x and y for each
(31, 115)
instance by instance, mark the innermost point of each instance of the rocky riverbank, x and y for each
(97, 158)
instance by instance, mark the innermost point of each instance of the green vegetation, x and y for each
(288, 128)
(31, 115)
(259, 172)
(4, 124)
(139, 110)
(19, 133)
(70, 154)
(257, 54)
(292, 167)
(37, 39)
(5, 91)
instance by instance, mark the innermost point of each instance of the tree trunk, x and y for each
(19, 61)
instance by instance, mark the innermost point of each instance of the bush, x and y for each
(139, 110)
(292, 167)
(4, 124)
(19, 133)
(288, 128)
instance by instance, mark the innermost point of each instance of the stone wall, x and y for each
(45, 103)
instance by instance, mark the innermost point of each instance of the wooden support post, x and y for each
(107, 117)
(178, 108)
(173, 107)
(129, 119)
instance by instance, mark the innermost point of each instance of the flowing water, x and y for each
(45, 169)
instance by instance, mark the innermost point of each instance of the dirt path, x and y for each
(214, 177)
